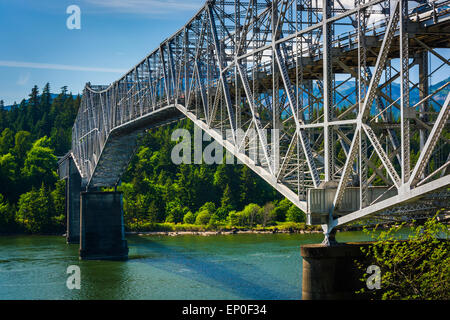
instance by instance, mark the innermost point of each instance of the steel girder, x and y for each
(321, 74)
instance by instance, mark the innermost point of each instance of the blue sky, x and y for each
(36, 46)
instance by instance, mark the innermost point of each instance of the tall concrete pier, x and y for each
(73, 190)
(94, 219)
(102, 228)
(330, 272)
(69, 172)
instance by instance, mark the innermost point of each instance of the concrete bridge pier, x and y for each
(102, 229)
(330, 272)
(70, 174)
(73, 189)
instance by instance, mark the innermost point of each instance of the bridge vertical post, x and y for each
(328, 112)
(275, 91)
(327, 90)
(68, 172)
(73, 189)
(422, 58)
(102, 227)
(405, 111)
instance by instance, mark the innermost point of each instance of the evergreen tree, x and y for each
(6, 141)
(23, 143)
(3, 114)
(35, 211)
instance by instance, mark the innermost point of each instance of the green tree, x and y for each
(416, 269)
(281, 209)
(233, 218)
(294, 214)
(7, 223)
(210, 207)
(248, 186)
(226, 204)
(35, 211)
(189, 218)
(23, 143)
(267, 213)
(40, 164)
(214, 221)
(152, 212)
(203, 217)
(59, 198)
(252, 214)
(3, 114)
(8, 176)
(225, 176)
(175, 212)
(6, 141)
(33, 113)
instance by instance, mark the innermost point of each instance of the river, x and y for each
(242, 266)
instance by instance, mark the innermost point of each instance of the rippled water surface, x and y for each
(245, 266)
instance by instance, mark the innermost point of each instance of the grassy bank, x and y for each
(181, 227)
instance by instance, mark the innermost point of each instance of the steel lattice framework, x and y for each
(314, 80)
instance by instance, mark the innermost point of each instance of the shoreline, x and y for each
(206, 233)
(193, 233)
(179, 233)
(217, 233)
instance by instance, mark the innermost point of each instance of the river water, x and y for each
(243, 266)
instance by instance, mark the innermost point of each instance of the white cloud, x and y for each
(23, 79)
(148, 6)
(62, 67)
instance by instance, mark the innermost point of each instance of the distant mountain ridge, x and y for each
(347, 89)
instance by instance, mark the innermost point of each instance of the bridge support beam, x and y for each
(73, 190)
(102, 227)
(68, 172)
(330, 272)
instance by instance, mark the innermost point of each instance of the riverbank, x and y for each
(216, 233)
(172, 230)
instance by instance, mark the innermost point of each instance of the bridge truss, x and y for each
(316, 81)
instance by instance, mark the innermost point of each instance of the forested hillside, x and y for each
(32, 134)
(157, 193)
(212, 196)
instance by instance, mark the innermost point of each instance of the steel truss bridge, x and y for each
(317, 81)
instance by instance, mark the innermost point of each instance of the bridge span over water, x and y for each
(339, 93)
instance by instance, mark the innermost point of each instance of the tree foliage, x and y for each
(415, 269)
(32, 134)
(36, 131)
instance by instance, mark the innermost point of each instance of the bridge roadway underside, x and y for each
(434, 36)
(122, 143)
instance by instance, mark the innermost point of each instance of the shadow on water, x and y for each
(239, 277)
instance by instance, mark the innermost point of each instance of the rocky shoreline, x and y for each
(217, 233)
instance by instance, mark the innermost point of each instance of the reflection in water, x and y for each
(262, 267)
